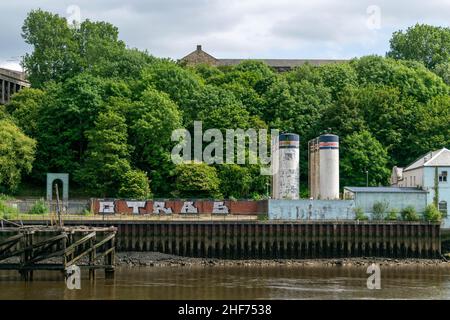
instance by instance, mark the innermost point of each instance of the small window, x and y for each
(443, 176)
(443, 207)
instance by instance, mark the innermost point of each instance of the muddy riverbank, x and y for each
(157, 259)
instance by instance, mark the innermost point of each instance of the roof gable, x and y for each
(439, 157)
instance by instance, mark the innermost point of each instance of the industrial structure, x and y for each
(201, 57)
(285, 161)
(11, 82)
(323, 167)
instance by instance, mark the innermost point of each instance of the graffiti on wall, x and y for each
(311, 209)
(156, 207)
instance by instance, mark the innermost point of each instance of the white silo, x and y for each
(328, 167)
(286, 179)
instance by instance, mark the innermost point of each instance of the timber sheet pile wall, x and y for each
(247, 240)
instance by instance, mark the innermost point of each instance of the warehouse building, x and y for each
(423, 182)
(429, 173)
(201, 57)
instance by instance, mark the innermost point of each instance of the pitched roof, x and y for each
(281, 63)
(436, 158)
(200, 56)
(385, 190)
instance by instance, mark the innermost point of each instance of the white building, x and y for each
(430, 173)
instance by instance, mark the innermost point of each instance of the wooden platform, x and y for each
(36, 247)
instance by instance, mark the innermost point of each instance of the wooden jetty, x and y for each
(36, 247)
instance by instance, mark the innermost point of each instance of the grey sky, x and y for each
(237, 28)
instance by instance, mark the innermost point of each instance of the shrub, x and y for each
(39, 207)
(392, 215)
(135, 185)
(7, 212)
(359, 214)
(409, 214)
(432, 213)
(379, 209)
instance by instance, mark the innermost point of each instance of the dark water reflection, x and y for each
(282, 282)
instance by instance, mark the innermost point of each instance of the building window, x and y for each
(443, 176)
(443, 207)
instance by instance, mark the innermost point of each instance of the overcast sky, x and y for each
(236, 29)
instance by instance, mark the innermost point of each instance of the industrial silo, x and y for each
(286, 179)
(329, 166)
(324, 167)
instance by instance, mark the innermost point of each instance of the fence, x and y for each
(68, 207)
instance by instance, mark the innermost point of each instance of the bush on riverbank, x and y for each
(392, 215)
(409, 214)
(39, 207)
(6, 211)
(379, 209)
(432, 213)
(359, 214)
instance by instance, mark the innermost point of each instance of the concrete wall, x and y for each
(395, 200)
(310, 209)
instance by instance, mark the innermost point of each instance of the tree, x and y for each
(25, 108)
(197, 180)
(427, 44)
(151, 121)
(68, 112)
(135, 185)
(54, 48)
(363, 153)
(16, 155)
(431, 130)
(411, 78)
(61, 52)
(235, 180)
(180, 84)
(107, 157)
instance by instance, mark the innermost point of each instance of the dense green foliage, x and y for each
(104, 113)
(16, 155)
(39, 207)
(409, 214)
(427, 44)
(432, 213)
(379, 210)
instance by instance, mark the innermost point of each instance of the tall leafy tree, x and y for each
(107, 158)
(151, 121)
(421, 42)
(16, 155)
(368, 156)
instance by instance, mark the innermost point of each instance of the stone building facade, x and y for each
(11, 82)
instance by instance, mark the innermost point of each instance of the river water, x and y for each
(237, 282)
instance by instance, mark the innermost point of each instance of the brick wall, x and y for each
(121, 206)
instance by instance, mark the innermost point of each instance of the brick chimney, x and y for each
(199, 47)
